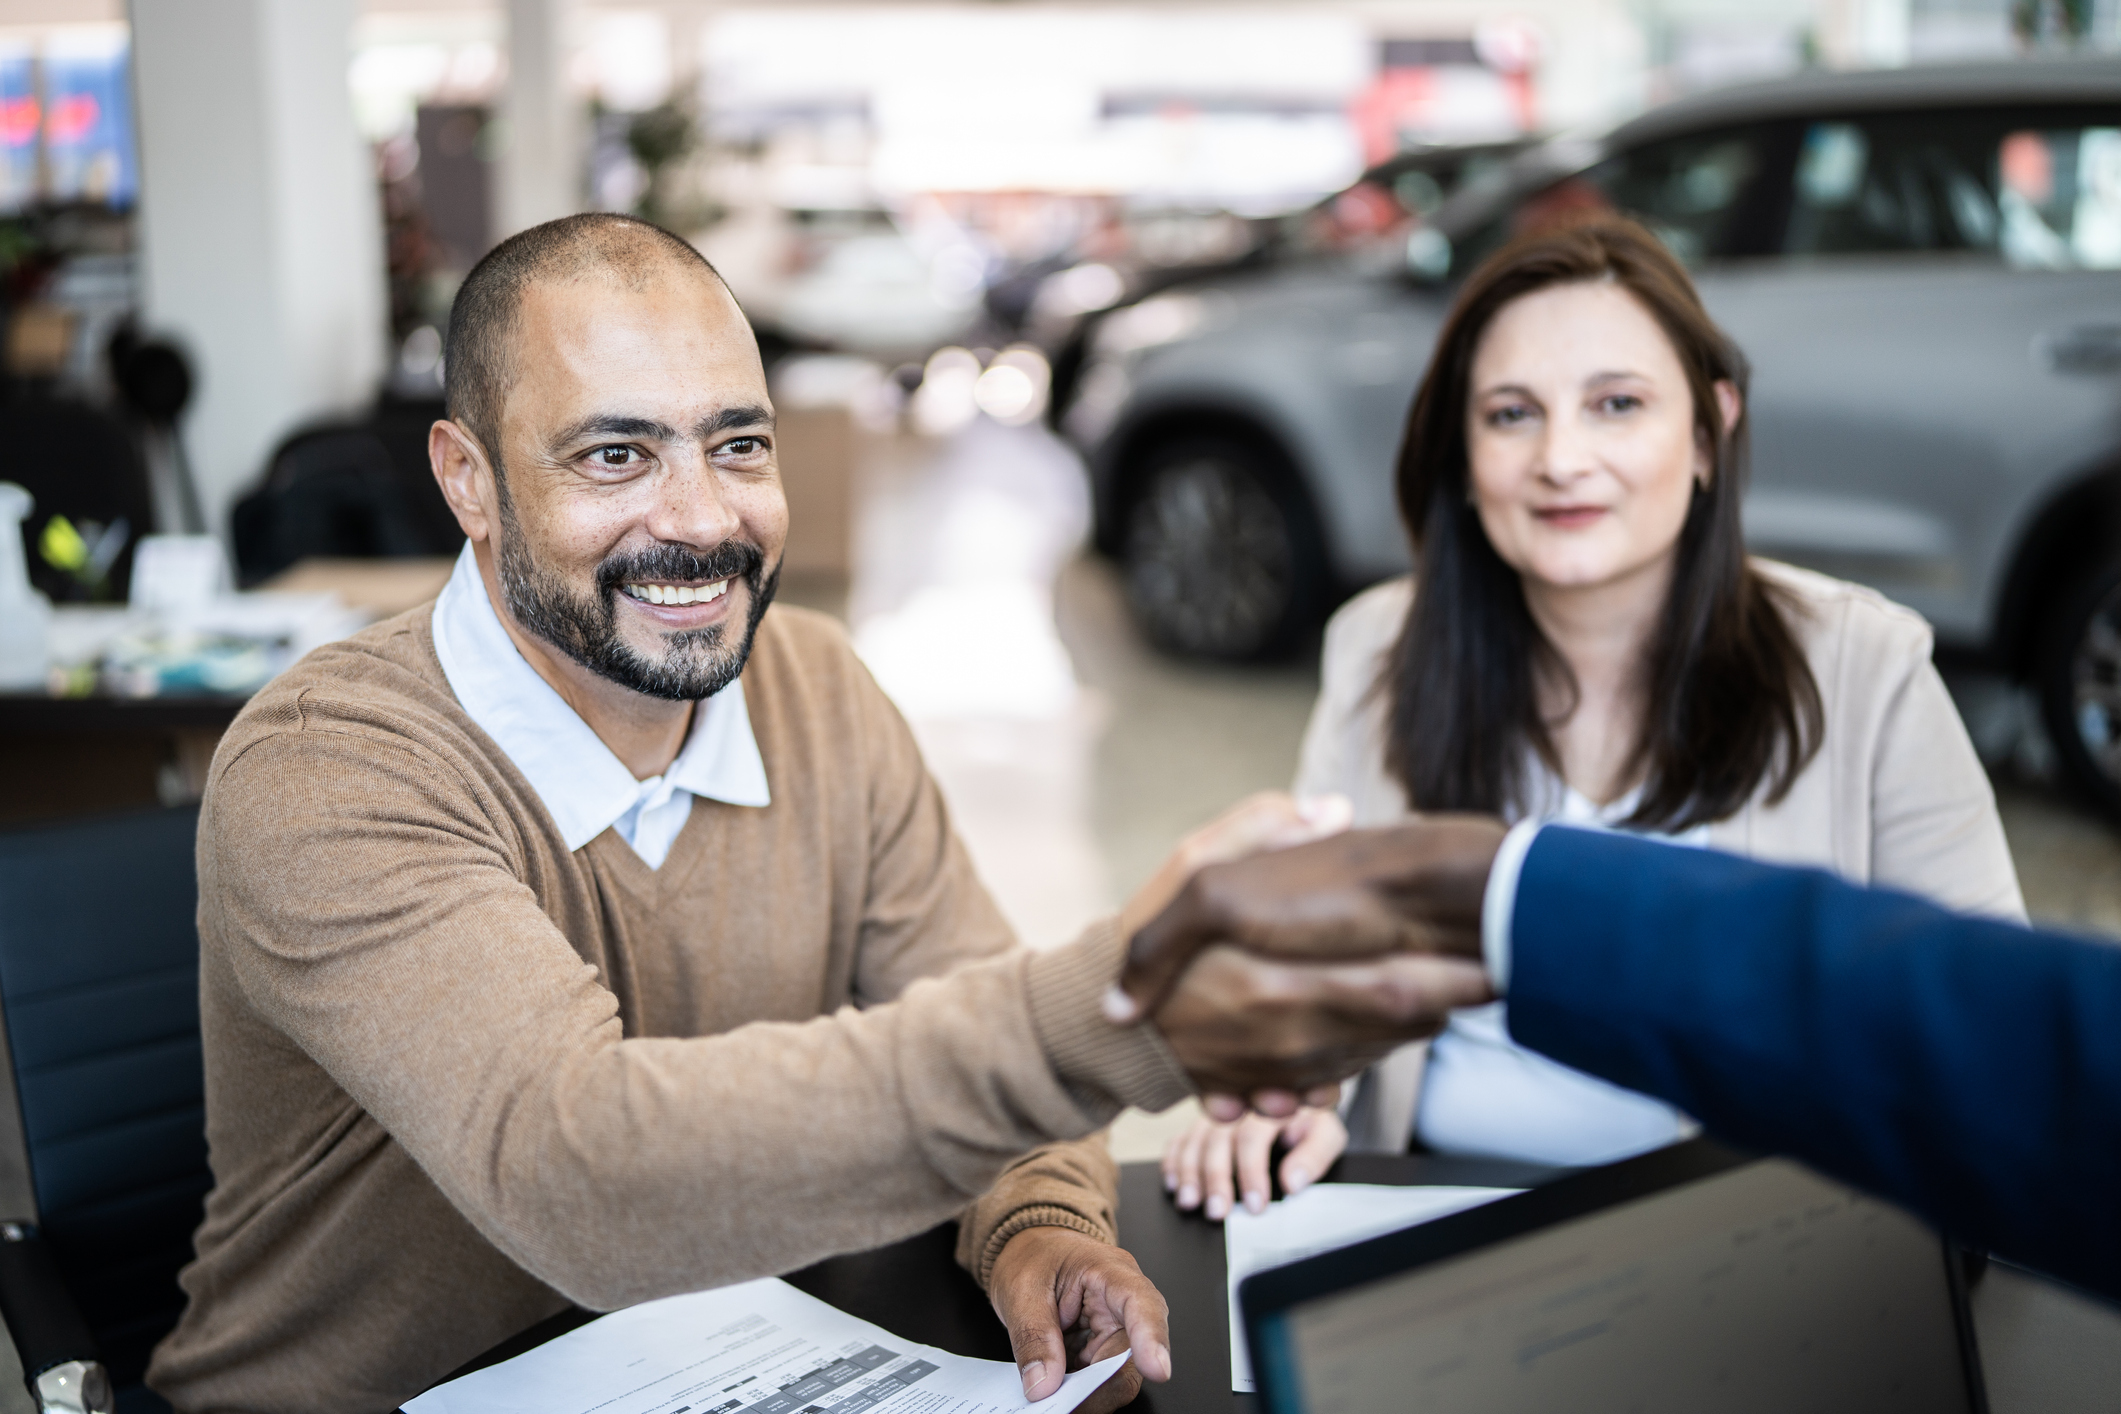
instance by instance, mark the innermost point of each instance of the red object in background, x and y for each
(1412, 100)
(1382, 108)
(19, 118)
(73, 117)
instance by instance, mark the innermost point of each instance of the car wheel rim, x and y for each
(1208, 562)
(2095, 681)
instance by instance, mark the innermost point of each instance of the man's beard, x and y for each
(697, 663)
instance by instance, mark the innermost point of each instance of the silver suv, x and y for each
(1923, 265)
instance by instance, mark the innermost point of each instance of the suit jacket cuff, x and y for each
(1498, 906)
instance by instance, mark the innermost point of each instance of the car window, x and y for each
(1690, 191)
(2035, 191)
(1702, 195)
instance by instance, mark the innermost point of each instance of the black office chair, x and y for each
(349, 491)
(102, 1133)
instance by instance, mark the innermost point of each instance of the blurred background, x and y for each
(1091, 327)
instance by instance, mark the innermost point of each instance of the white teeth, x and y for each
(679, 593)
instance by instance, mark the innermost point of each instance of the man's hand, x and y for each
(1070, 1300)
(1243, 1025)
(1365, 894)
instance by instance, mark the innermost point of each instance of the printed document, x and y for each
(1319, 1219)
(759, 1348)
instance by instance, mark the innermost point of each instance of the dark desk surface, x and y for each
(916, 1290)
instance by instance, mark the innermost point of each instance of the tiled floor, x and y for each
(1074, 756)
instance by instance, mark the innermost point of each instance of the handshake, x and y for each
(1279, 952)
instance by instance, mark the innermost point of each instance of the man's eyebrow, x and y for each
(731, 418)
(604, 424)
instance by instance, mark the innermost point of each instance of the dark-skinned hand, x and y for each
(1069, 1301)
(1407, 899)
(1242, 1024)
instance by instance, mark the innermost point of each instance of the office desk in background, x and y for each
(65, 757)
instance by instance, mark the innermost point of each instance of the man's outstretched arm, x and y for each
(1966, 1068)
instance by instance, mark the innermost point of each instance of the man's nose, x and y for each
(690, 507)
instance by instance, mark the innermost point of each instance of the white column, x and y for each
(541, 164)
(1866, 34)
(261, 239)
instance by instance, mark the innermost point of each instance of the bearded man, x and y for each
(582, 936)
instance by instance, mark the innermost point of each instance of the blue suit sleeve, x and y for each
(1965, 1068)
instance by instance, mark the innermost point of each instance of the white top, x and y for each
(1485, 1094)
(585, 788)
(1895, 795)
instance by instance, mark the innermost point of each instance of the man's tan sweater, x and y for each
(458, 1076)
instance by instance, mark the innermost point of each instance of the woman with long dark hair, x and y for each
(1586, 639)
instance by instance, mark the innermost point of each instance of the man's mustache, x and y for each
(666, 563)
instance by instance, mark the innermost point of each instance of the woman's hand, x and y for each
(1199, 1164)
(1271, 819)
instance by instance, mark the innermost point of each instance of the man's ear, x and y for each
(465, 476)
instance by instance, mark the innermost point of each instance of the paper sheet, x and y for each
(759, 1348)
(1319, 1219)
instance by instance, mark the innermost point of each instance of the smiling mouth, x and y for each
(677, 594)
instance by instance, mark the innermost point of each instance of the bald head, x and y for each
(481, 359)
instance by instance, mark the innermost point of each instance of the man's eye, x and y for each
(744, 446)
(617, 458)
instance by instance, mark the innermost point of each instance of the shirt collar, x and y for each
(584, 786)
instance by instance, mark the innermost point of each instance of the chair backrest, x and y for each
(79, 463)
(99, 985)
(342, 491)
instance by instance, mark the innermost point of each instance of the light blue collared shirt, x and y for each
(586, 789)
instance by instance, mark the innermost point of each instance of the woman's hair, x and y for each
(1730, 701)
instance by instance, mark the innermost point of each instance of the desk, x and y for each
(2044, 1349)
(62, 757)
(915, 1288)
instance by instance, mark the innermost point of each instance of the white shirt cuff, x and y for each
(1499, 904)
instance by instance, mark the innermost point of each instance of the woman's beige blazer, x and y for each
(1895, 795)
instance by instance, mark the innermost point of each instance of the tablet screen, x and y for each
(1762, 1288)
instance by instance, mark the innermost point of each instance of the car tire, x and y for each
(1221, 553)
(2079, 680)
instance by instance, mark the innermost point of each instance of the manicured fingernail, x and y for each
(1170, 1183)
(1119, 1007)
(1033, 1373)
(1295, 1178)
(1255, 1202)
(1188, 1196)
(1218, 1207)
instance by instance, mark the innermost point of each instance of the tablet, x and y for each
(1688, 1279)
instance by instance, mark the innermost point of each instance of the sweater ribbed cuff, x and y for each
(1105, 1067)
(1036, 1215)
